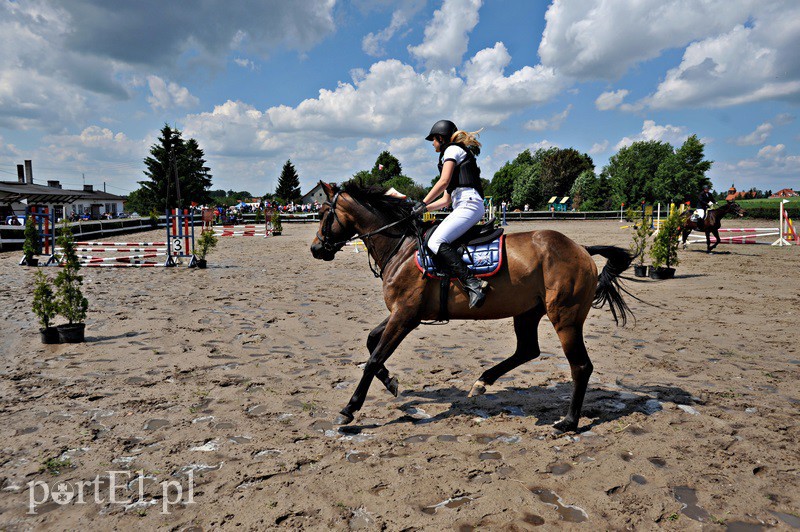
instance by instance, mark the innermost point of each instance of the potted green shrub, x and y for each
(69, 299)
(205, 243)
(32, 245)
(259, 215)
(664, 249)
(153, 218)
(45, 307)
(641, 232)
(275, 222)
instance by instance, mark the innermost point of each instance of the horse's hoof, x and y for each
(393, 386)
(479, 388)
(565, 425)
(343, 419)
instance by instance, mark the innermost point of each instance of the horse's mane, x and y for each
(388, 208)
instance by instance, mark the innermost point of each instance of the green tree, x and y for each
(288, 188)
(386, 167)
(681, 176)
(172, 155)
(631, 171)
(591, 193)
(502, 184)
(560, 168)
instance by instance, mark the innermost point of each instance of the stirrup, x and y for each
(477, 296)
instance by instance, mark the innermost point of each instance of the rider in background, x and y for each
(704, 201)
(460, 184)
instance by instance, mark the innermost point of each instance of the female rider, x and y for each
(460, 184)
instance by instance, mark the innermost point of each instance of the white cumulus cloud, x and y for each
(759, 136)
(675, 135)
(165, 95)
(447, 35)
(552, 123)
(610, 100)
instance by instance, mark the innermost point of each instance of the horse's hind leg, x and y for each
(526, 328)
(571, 338)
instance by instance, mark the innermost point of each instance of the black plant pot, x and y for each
(276, 233)
(640, 270)
(202, 263)
(33, 261)
(71, 334)
(49, 335)
(662, 273)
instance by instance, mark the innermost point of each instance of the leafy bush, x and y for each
(205, 243)
(641, 233)
(44, 303)
(665, 244)
(32, 245)
(70, 301)
(275, 220)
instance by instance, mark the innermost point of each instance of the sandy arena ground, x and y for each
(225, 381)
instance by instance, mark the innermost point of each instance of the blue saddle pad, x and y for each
(483, 260)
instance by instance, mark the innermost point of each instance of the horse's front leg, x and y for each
(685, 236)
(373, 338)
(716, 238)
(397, 327)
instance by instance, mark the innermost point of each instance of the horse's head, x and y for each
(735, 208)
(335, 224)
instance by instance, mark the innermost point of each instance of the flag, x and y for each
(380, 167)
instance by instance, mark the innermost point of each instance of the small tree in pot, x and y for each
(71, 303)
(665, 247)
(45, 307)
(32, 245)
(641, 233)
(207, 241)
(275, 221)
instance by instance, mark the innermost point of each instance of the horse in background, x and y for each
(710, 225)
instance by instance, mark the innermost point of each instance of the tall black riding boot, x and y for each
(450, 260)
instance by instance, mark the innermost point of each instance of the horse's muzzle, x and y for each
(318, 251)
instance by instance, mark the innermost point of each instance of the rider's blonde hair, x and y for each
(467, 138)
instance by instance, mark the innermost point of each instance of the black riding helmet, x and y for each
(445, 128)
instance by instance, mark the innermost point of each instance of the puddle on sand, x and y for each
(356, 456)
(223, 425)
(257, 410)
(26, 430)
(155, 424)
(567, 512)
(533, 519)
(559, 469)
(240, 439)
(447, 437)
(417, 439)
(658, 462)
(639, 479)
(321, 425)
(688, 497)
(791, 520)
(742, 526)
(455, 502)
(490, 455)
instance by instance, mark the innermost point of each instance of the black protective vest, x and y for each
(466, 174)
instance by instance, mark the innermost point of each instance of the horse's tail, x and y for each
(608, 287)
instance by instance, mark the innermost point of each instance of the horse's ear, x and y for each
(327, 189)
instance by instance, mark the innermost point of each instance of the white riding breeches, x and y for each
(467, 211)
(700, 214)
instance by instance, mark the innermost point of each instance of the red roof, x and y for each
(785, 193)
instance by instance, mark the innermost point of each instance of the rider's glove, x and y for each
(419, 208)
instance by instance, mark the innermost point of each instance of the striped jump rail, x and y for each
(122, 244)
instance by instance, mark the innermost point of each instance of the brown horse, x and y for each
(711, 224)
(543, 272)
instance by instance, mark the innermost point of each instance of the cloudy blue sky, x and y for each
(85, 85)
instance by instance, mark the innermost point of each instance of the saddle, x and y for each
(481, 249)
